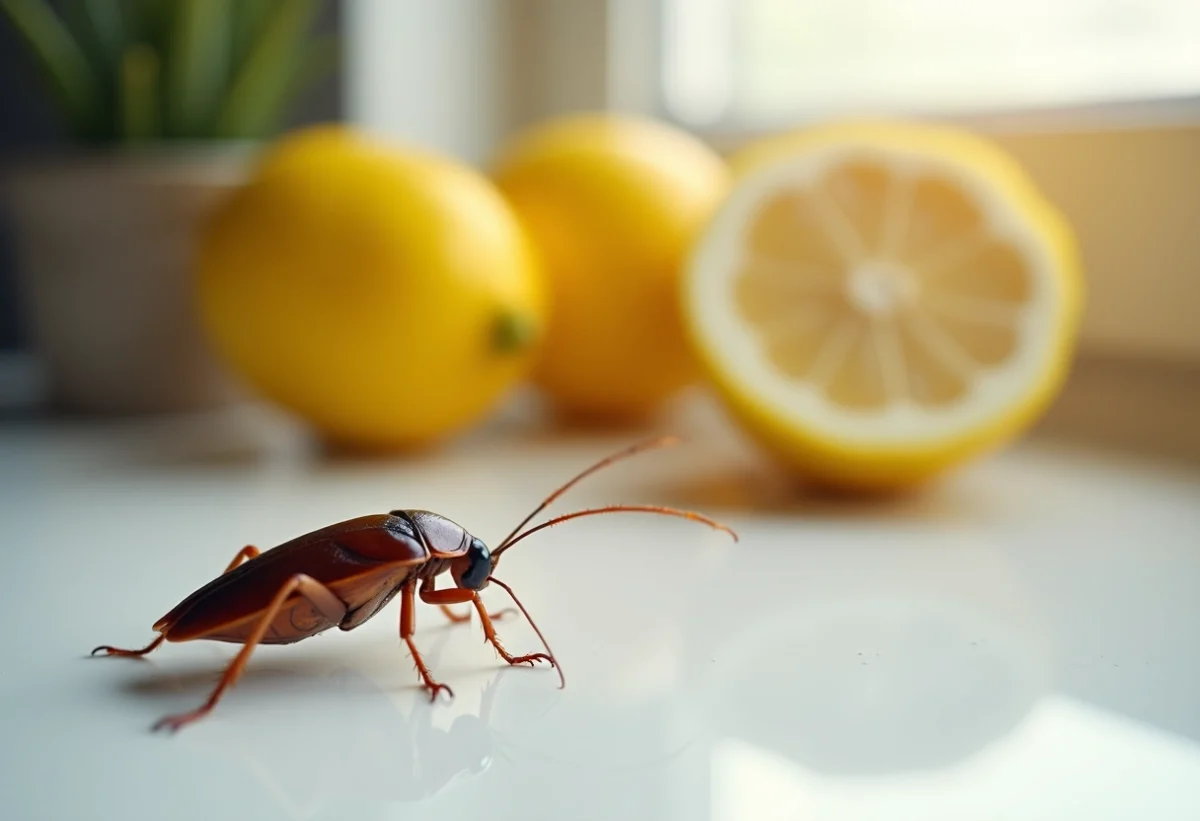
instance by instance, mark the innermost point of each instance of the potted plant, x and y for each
(165, 101)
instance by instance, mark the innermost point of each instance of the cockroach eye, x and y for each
(479, 566)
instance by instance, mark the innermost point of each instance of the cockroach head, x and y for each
(471, 570)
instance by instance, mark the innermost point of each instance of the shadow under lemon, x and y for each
(718, 470)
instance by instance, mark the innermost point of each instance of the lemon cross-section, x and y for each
(879, 302)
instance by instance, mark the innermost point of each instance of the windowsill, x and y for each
(1148, 407)
(1095, 118)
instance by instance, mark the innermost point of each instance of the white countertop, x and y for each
(1022, 642)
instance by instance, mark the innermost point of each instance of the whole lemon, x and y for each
(612, 205)
(382, 292)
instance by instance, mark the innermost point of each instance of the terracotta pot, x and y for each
(104, 247)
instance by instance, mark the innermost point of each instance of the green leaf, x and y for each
(62, 61)
(199, 61)
(264, 78)
(99, 28)
(154, 69)
(249, 17)
(148, 21)
(140, 119)
(106, 28)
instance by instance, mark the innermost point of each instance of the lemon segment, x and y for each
(879, 302)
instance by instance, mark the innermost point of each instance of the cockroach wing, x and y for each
(355, 559)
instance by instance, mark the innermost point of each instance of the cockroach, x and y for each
(343, 574)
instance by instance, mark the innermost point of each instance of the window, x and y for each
(750, 64)
(1091, 96)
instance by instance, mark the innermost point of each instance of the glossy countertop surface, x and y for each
(1021, 641)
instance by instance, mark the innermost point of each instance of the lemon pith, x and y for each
(878, 302)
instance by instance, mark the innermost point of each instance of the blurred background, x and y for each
(1099, 99)
(1056, 571)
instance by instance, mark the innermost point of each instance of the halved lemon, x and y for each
(879, 302)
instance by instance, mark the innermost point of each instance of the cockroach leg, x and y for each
(489, 632)
(117, 651)
(408, 626)
(455, 595)
(454, 617)
(465, 617)
(244, 555)
(320, 596)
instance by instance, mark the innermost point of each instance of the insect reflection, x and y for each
(406, 750)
